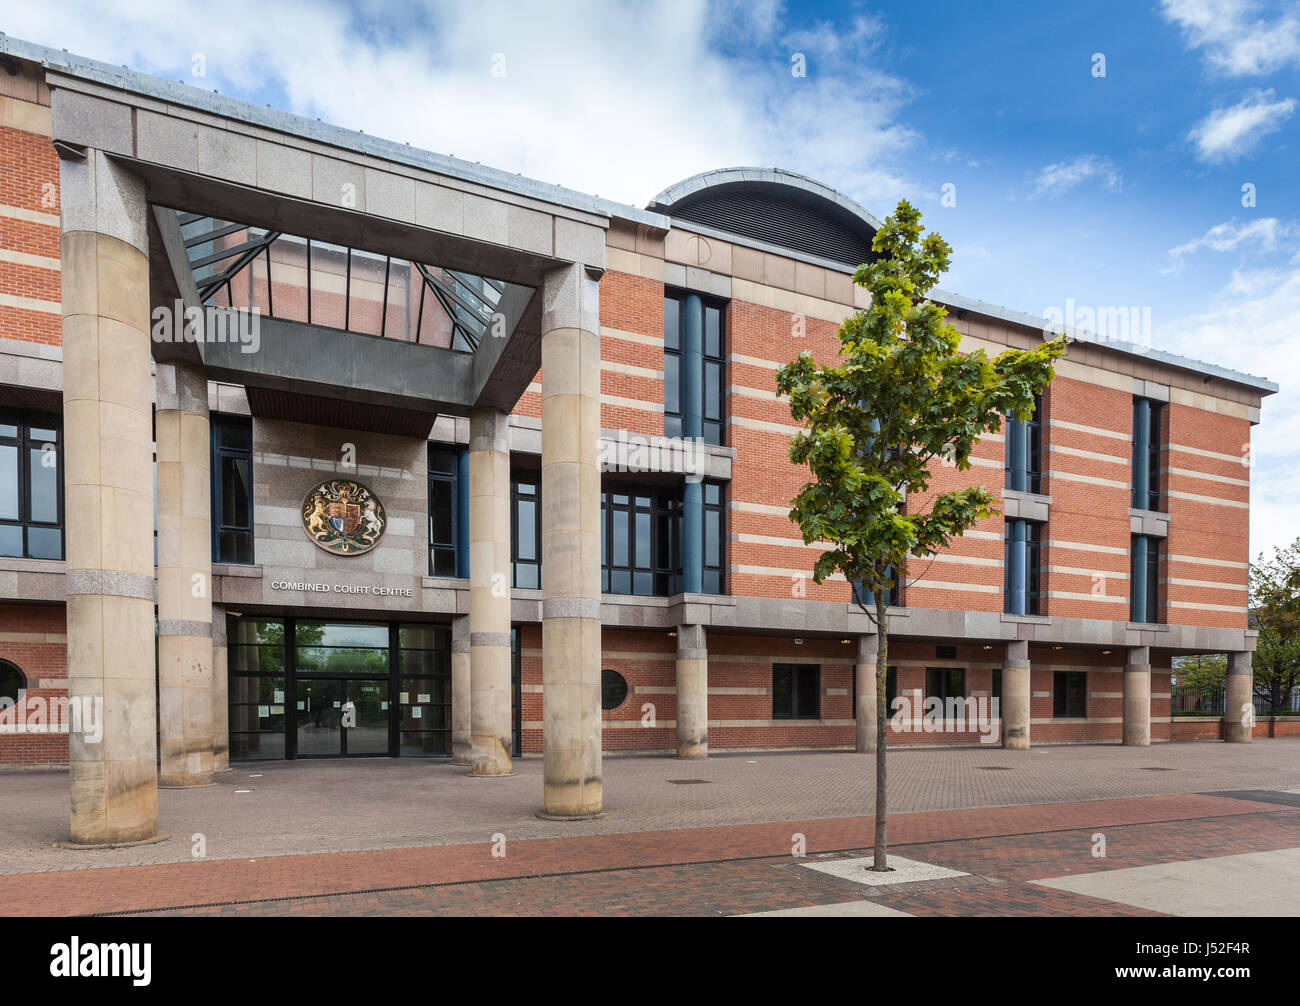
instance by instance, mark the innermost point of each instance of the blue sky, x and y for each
(1115, 191)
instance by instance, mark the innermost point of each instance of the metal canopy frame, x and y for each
(469, 301)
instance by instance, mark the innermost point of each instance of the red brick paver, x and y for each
(123, 889)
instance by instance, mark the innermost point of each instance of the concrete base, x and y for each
(162, 836)
(542, 815)
(901, 871)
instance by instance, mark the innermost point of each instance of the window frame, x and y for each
(943, 694)
(24, 420)
(1033, 565)
(796, 710)
(452, 480)
(219, 453)
(1034, 433)
(664, 508)
(673, 352)
(516, 497)
(1148, 498)
(1061, 684)
(1150, 575)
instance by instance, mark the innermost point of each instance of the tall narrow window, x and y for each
(31, 485)
(710, 400)
(714, 538)
(232, 489)
(1147, 416)
(444, 511)
(640, 540)
(526, 531)
(1144, 579)
(1022, 554)
(1024, 449)
(796, 691)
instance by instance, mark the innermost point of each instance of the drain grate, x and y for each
(687, 782)
(1156, 768)
(995, 768)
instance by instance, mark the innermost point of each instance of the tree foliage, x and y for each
(1274, 590)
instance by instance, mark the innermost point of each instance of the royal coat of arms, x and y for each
(343, 517)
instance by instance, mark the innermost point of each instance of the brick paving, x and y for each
(307, 807)
(635, 861)
(222, 882)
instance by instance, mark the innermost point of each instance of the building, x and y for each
(497, 469)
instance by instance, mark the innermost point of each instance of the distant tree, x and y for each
(1274, 587)
(899, 397)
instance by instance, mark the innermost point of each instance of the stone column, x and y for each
(462, 682)
(1137, 697)
(571, 543)
(220, 693)
(692, 692)
(864, 675)
(1017, 696)
(184, 576)
(489, 593)
(1239, 700)
(108, 499)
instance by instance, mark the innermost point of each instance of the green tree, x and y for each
(899, 398)
(1275, 611)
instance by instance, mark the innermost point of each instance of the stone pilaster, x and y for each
(864, 676)
(1239, 701)
(1137, 697)
(108, 500)
(461, 685)
(571, 653)
(1016, 696)
(692, 692)
(220, 692)
(184, 576)
(489, 592)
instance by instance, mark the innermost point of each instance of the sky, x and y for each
(1137, 155)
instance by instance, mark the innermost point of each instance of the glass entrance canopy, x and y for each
(298, 279)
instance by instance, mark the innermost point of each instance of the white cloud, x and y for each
(1056, 179)
(1264, 235)
(618, 100)
(1236, 40)
(1227, 134)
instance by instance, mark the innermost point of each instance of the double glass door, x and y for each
(343, 716)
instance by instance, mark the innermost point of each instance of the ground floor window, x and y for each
(796, 692)
(305, 688)
(1068, 695)
(12, 681)
(944, 683)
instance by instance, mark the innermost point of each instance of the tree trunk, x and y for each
(879, 863)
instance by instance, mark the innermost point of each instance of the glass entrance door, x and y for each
(339, 717)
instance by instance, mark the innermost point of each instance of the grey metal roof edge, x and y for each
(956, 300)
(773, 176)
(213, 103)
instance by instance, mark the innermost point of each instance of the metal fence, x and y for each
(1188, 700)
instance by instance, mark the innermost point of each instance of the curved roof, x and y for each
(774, 206)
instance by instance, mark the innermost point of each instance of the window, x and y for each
(444, 512)
(1024, 451)
(1069, 694)
(232, 489)
(892, 595)
(1147, 415)
(613, 689)
(12, 681)
(1021, 567)
(713, 391)
(424, 690)
(31, 485)
(640, 544)
(945, 683)
(1144, 579)
(526, 531)
(714, 538)
(796, 691)
(995, 692)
